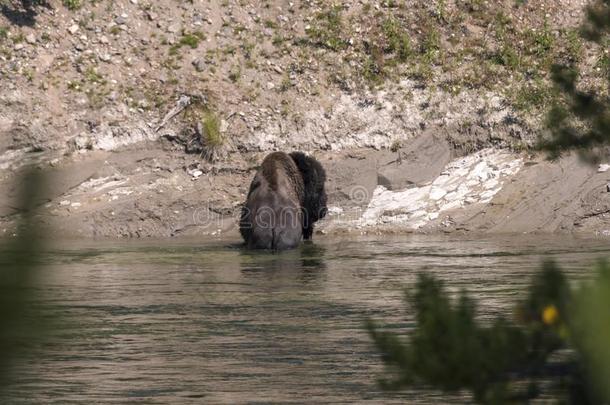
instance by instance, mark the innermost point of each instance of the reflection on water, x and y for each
(212, 323)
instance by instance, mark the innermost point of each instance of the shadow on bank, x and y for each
(22, 12)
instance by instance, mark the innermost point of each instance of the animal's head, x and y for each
(314, 200)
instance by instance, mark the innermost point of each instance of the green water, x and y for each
(207, 322)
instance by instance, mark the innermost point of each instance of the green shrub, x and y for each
(211, 127)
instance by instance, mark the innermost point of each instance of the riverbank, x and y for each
(151, 118)
(150, 191)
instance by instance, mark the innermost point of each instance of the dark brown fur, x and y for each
(285, 198)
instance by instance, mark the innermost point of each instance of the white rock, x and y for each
(73, 29)
(437, 193)
(603, 168)
(451, 205)
(196, 173)
(419, 214)
(335, 210)
(487, 195)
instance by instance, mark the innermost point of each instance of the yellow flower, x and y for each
(550, 315)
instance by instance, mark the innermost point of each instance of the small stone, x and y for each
(270, 86)
(608, 187)
(64, 203)
(122, 19)
(277, 69)
(73, 29)
(19, 46)
(199, 64)
(30, 38)
(152, 16)
(174, 28)
(104, 39)
(603, 168)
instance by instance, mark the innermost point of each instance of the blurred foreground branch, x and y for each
(581, 120)
(20, 260)
(559, 341)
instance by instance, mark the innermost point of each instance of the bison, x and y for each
(285, 199)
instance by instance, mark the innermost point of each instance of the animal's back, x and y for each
(272, 217)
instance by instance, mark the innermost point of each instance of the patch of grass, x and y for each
(372, 70)
(72, 4)
(28, 74)
(73, 85)
(277, 40)
(507, 56)
(573, 45)
(3, 33)
(397, 39)
(286, 83)
(536, 96)
(603, 63)
(235, 74)
(94, 77)
(18, 38)
(541, 41)
(170, 64)
(211, 127)
(326, 30)
(247, 48)
(191, 40)
(229, 50)
(431, 43)
(238, 29)
(270, 24)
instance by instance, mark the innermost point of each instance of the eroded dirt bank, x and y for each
(150, 190)
(415, 109)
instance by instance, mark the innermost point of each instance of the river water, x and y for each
(193, 322)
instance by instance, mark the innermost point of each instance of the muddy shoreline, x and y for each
(151, 191)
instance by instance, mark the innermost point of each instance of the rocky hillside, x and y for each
(170, 103)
